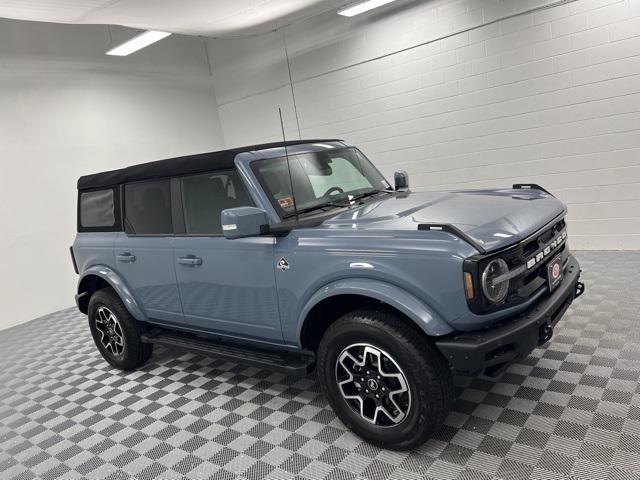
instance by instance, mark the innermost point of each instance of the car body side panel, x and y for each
(95, 255)
(151, 276)
(95, 248)
(233, 290)
(120, 286)
(426, 266)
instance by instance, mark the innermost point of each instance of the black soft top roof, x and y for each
(170, 167)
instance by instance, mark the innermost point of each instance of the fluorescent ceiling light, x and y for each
(138, 42)
(362, 7)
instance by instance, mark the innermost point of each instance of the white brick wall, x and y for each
(551, 96)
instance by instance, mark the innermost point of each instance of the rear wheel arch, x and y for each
(89, 285)
(99, 277)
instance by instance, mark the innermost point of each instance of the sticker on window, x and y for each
(286, 202)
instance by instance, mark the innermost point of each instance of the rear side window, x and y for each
(97, 209)
(147, 208)
(204, 197)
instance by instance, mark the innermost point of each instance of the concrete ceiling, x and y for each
(190, 17)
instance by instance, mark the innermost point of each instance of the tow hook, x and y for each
(579, 289)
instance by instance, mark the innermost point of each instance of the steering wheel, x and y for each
(332, 189)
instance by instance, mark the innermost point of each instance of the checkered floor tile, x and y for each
(570, 410)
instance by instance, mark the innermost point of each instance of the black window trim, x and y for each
(177, 212)
(118, 224)
(178, 205)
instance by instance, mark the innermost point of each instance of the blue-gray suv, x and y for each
(300, 255)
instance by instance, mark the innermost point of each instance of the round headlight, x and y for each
(495, 292)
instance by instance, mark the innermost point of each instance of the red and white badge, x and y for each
(554, 272)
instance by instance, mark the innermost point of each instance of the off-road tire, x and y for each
(426, 371)
(135, 352)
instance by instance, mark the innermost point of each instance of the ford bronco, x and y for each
(300, 255)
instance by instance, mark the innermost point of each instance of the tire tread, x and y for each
(437, 387)
(137, 352)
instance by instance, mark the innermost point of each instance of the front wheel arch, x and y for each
(334, 300)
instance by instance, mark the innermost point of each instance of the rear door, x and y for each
(226, 286)
(144, 253)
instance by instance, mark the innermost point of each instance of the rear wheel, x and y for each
(116, 332)
(383, 379)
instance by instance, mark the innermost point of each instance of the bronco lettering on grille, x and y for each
(547, 250)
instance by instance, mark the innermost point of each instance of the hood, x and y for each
(492, 218)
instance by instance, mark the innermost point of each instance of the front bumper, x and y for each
(491, 350)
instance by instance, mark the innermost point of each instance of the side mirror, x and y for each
(401, 180)
(242, 222)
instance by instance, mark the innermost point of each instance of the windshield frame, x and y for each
(330, 203)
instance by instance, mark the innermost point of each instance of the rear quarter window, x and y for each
(98, 210)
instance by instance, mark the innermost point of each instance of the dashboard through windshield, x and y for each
(321, 180)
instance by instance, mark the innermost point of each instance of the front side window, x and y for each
(148, 208)
(319, 179)
(97, 209)
(205, 196)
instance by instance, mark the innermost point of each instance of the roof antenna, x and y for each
(286, 154)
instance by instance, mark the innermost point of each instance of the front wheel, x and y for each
(383, 379)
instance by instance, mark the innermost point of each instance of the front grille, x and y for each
(532, 278)
(532, 245)
(527, 262)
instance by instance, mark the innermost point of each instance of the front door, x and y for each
(144, 253)
(226, 286)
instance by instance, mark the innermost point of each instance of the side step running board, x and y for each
(283, 361)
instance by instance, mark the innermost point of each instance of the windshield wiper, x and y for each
(348, 203)
(314, 208)
(369, 194)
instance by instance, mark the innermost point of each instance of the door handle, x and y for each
(191, 260)
(126, 257)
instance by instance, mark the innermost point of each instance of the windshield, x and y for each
(320, 179)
